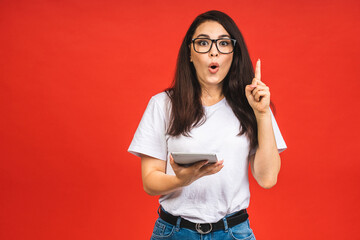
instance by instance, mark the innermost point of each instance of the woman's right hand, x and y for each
(187, 175)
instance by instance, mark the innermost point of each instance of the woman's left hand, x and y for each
(258, 94)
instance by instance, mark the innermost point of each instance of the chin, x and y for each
(214, 81)
(211, 80)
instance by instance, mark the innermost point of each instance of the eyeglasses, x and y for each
(223, 45)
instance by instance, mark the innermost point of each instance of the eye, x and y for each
(224, 43)
(202, 42)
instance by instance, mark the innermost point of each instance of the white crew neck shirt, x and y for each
(209, 198)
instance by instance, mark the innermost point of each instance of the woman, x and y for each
(216, 105)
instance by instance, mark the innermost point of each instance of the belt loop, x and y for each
(178, 221)
(225, 224)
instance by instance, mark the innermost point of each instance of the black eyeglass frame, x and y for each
(214, 41)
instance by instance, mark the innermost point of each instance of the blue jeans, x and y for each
(167, 231)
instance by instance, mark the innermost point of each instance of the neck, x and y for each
(211, 95)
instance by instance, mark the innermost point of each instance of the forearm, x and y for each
(267, 162)
(159, 183)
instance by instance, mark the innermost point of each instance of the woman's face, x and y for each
(212, 67)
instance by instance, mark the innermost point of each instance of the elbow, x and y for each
(268, 183)
(268, 179)
(149, 191)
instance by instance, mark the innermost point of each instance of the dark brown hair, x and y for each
(185, 94)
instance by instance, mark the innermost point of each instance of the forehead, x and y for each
(211, 28)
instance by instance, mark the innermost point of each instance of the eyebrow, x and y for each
(207, 36)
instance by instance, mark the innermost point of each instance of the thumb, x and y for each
(172, 162)
(250, 87)
(254, 82)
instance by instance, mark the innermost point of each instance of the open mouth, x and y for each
(213, 67)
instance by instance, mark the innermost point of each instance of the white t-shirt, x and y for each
(209, 198)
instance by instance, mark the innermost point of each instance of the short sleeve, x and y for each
(280, 143)
(150, 136)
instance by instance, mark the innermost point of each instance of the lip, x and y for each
(213, 67)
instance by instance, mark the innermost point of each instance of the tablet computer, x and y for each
(186, 159)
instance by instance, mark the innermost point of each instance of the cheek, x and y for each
(230, 59)
(227, 63)
(198, 62)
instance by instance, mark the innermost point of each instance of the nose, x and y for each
(213, 51)
(214, 54)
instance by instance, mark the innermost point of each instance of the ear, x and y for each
(190, 59)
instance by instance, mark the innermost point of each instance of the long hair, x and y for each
(185, 93)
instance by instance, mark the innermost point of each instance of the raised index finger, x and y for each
(257, 70)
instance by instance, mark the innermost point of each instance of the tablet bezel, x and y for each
(183, 158)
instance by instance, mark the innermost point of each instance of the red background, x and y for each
(76, 76)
